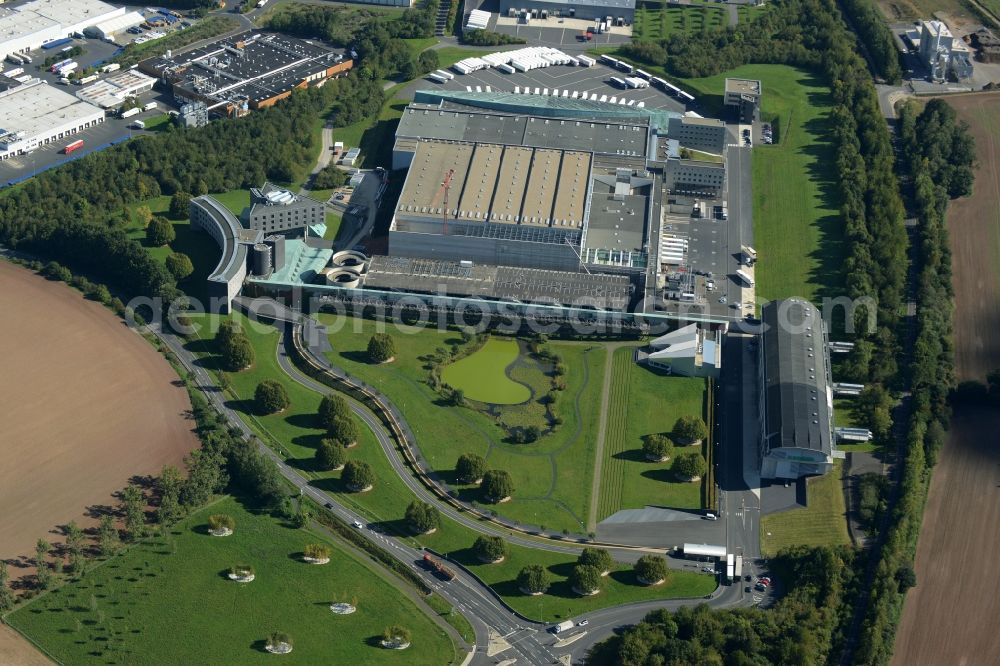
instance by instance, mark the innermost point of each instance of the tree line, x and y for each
(74, 214)
(937, 157)
(799, 629)
(876, 36)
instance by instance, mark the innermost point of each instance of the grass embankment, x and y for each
(295, 433)
(797, 230)
(822, 523)
(168, 599)
(483, 376)
(645, 402)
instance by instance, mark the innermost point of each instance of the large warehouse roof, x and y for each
(502, 184)
(36, 107)
(796, 381)
(597, 136)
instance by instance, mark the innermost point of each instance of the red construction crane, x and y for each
(445, 186)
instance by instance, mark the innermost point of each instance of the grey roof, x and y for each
(796, 378)
(616, 4)
(234, 239)
(525, 285)
(607, 135)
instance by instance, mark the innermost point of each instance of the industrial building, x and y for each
(796, 399)
(274, 208)
(251, 70)
(193, 114)
(705, 134)
(581, 9)
(942, 54)
(691, 351)
(35, 114)
(110, 93)
(29, 26)
(743, 95)
(114, 26)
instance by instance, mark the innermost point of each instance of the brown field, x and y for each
(950, 617)
(15, 650)
(87, 404)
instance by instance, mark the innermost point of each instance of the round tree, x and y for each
(381, 348)
(396, 637)
(533, 579)
(331, 408)
(651, 569)
(279, 642)
(497, 486)
(316, 552)
(358, 476)
(422, 517)
(179, 205)
(221, 524)
(585, 579)
(331, 455)
(690, 430)
(691, 468)
(344, 430)
(598, 558)
(238, 354)
(160, 232)
(492, 549)
(179, 265)
(270, 397)
(470, 468)
(657, 447)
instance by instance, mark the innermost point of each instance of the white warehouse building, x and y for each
(27, 27)
(36, 114)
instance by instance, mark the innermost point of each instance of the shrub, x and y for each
(221, 521)
(358, 475)
(470, 468)
(330, 454)
(690, 429)
(316, 551)
(533, 579)
(160, 232)
(651, 569)
(270, 397)
(497, 485)
(690, 467)
(277, 638)
(381, 348)
(179, 265)
(657, 447)
(585, 579)
(598, 558)
(422, 517)
(396, 635)
(490, 548)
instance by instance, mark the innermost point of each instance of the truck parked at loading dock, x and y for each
(134, 111)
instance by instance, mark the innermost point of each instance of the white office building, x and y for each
(36, 114)
(27, 27)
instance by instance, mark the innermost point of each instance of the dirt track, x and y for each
(86, 405)
(950, 617)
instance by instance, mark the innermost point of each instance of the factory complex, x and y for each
(36, 114)
(251, 70)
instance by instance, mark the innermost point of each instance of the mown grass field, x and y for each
(293, 432)
(483, 376)
(552, 476)
(795, 202)
(822, 523)
(657, 24)
(644, 402)
(168, 600)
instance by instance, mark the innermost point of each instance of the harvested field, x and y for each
(15, 650)
(948, 617)
(88, 404)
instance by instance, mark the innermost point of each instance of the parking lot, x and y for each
(590, 80)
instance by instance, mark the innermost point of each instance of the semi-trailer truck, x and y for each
(134, 111)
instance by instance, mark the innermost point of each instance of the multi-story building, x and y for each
(704, 134)
(744, 96)
(943, 55)
(274, 208)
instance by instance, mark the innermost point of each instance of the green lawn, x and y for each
(844, 417)
(657, 24)
(797, 230)
(157, 123)
(551, 477)
(644, 402)
(234, 200)
(449, 55)
(748, 14)
(294, 433)
(333, 222)
(168, 600)
(822, 522)
(483, 376)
